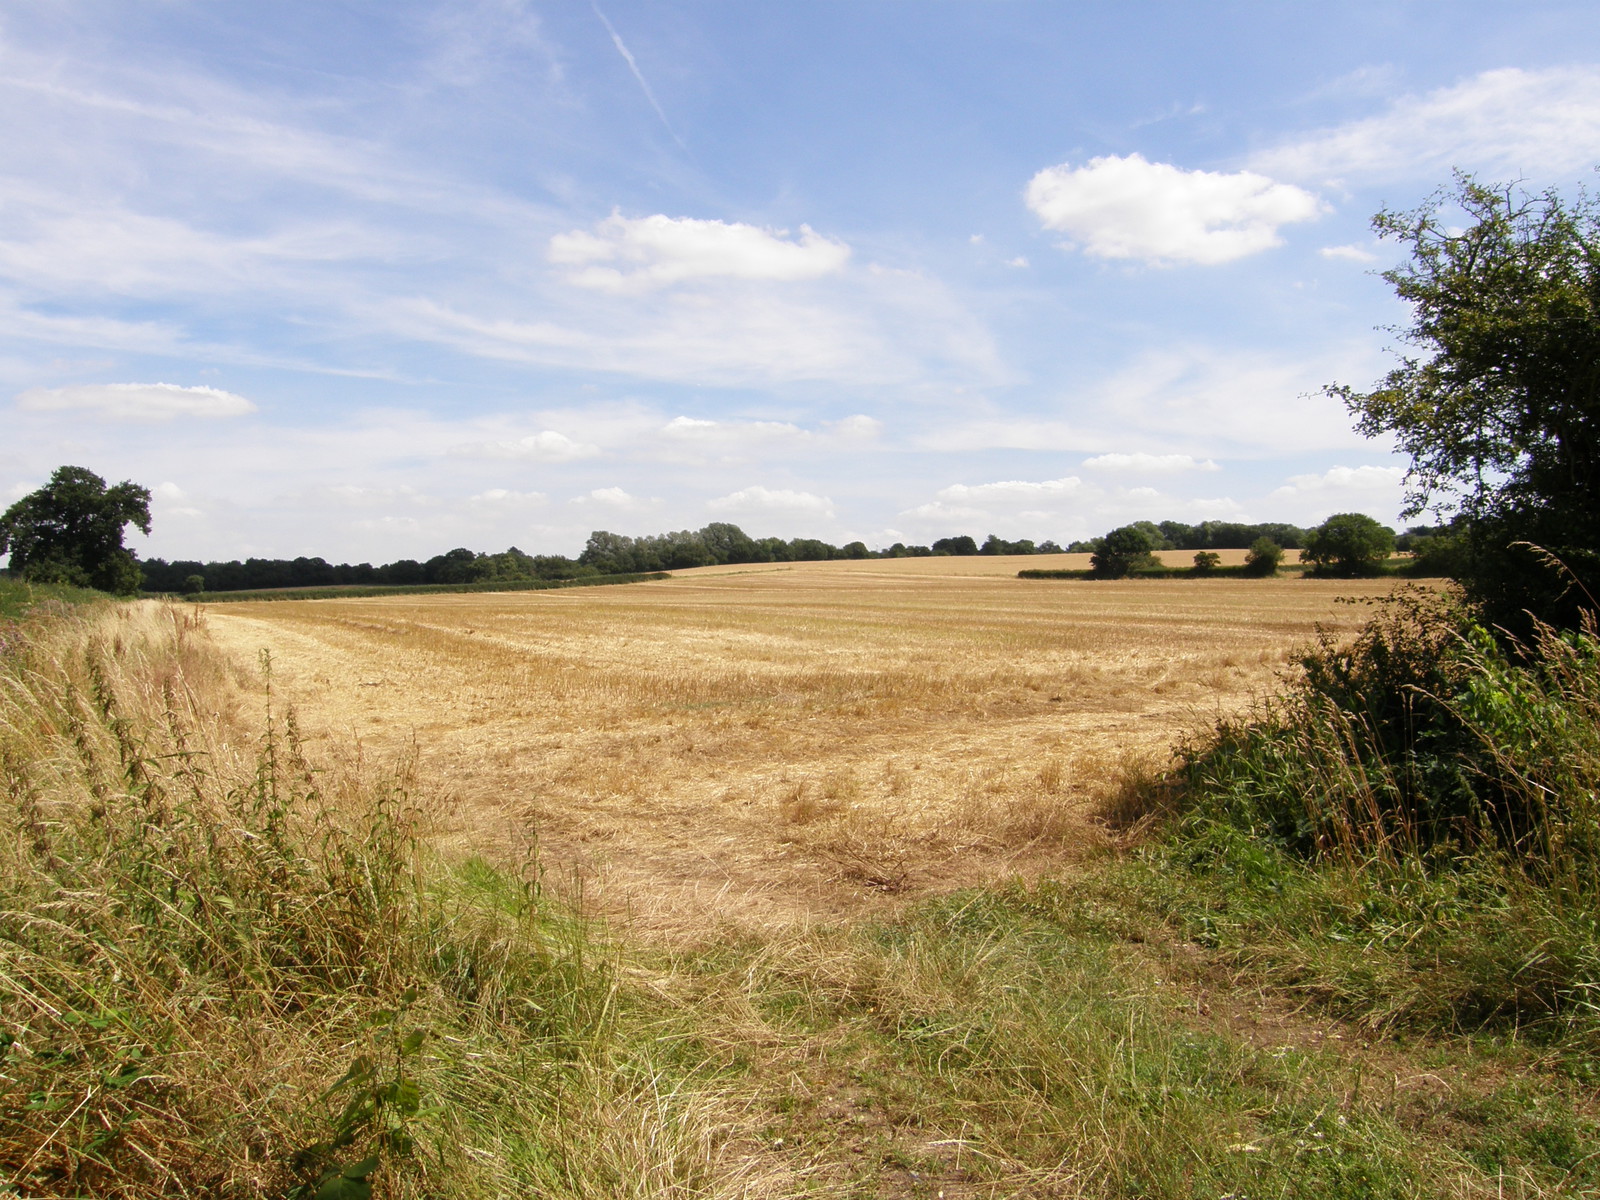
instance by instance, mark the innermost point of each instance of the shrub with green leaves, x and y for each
(1450, 785)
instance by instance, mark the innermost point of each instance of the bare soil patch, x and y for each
(772, 743)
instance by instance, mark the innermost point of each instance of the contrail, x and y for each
(627, 57)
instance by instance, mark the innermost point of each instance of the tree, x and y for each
(1348, 544)
(1500, 408)
(961, 544)
(1123, 550)
(1263, 558)
(1206, 561)
(70, 531)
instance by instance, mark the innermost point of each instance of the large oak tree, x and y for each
(70, 531)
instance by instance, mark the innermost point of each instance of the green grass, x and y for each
(17, 598)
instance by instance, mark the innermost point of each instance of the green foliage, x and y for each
(1206, 562)
(1500, 408)
(70, 532)
(1348, 544)
(1422, 764)
(1123, 551)
(1263, 557)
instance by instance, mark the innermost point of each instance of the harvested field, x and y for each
(773, 743)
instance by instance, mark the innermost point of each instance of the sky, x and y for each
(372, 280)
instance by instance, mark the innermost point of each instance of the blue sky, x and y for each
(375, 280)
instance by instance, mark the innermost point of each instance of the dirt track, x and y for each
(780, 743)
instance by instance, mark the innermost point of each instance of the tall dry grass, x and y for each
(226, 969)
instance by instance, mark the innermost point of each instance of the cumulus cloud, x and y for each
(1146, 464)
(1130, 208)
(760, 499)
(645, 253)
(1507, 120)
(544, 446)
(137, 401)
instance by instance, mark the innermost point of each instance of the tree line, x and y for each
(70, 531)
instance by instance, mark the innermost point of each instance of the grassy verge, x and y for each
(347, 591)
(227, 971)
(1066, 1039)
(18, 599)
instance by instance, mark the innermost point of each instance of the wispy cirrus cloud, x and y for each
(1509, 121)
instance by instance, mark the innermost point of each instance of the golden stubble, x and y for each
(778, 743)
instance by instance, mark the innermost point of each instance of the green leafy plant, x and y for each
(382, 1105)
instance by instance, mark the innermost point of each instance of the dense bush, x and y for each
(1418, 762)
(1263, 558)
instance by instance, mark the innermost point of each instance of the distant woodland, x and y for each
(609, 553)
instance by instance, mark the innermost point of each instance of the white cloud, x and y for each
(1204, 401)
(760, 499)
(544, 446)
(1005, 433)
(1149, 463)
(859, 427)
(1509, 121)
(170, 500)
(614, 498)
(730, 433)
(1344, 480)
(352, 495)
(1130, 208)
(504, 498)
(137, 401)
(1011, 491)
(1351, 253)
(1376, 490)
(644, 253)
